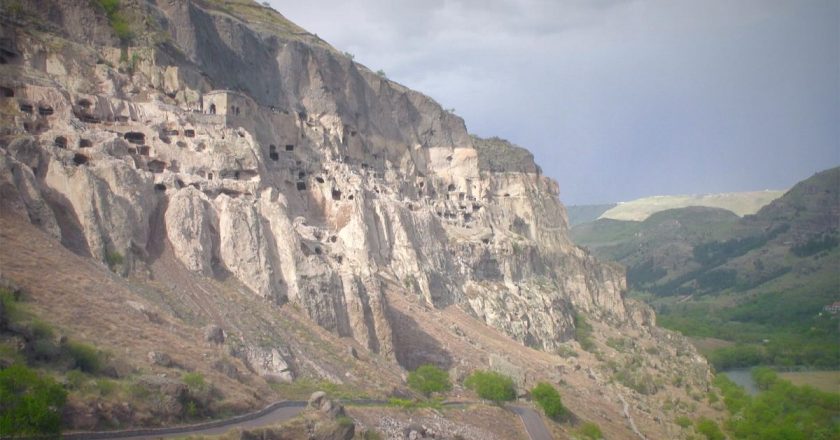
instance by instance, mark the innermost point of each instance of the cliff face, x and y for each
(253, 150)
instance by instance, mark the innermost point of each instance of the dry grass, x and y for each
(828, 381)
(742, 203)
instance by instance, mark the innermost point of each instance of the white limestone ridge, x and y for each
(262, 154)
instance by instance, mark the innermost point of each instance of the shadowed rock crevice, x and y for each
(414, 347)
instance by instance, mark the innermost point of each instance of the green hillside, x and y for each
(586, 213)
(760, 281)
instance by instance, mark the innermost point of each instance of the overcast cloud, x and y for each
(618, 99)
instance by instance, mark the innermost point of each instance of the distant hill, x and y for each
(741, 203)
(586, 213)
(765, 276)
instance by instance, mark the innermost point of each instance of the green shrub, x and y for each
(105, 387)
(566, 351)
(429, 379)
(9, 311)
(583, 332)
(29, 404)
(117, 20)
(85, 357)
(41, 339)
(548, 398)
(194, 381)
(113, 259)
(371, 435)
(590, 431)
(491, 386)
(683, 421)
(709, 429)
(75, 379)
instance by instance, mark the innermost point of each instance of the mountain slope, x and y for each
(213, 164)
(761, 275)
(741, 203)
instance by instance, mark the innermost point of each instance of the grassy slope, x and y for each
(760, 281)
(579, 214)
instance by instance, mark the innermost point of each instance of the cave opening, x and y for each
(135, 137)
(80, 159)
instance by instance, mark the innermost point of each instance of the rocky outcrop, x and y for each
(259, 153)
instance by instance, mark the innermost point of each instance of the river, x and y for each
(743, 377)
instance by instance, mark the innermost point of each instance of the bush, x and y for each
(491, 386)
(194, 381)
(429, 379)
(85, 357)
(683, 421)
(548, 398)
(118, 22)
(583, 333)
(709, 429)
(29, 404)
(113, 259)
(590, 430)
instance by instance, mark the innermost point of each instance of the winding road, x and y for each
(279, 412)
(533, 422)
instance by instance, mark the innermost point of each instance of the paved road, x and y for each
(533, 422)
(279, 415)
(534, 425)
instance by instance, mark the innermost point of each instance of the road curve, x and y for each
(275, 413)
(280, 412)
(533, 422)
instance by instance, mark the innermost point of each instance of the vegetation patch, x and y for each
(491, 385)
(31, 403)
(428, 379)
(548, 399)
(589, 431)
(780, 411)
(116, 19)
(583, 333)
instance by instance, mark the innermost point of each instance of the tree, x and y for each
(709, 429)
(429, 379)
(29, 404)
(548, 399)
(491, 386)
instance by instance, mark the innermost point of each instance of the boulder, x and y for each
(213, 333)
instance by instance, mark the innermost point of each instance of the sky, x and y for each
(618, 99)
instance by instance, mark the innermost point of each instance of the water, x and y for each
(743, 377)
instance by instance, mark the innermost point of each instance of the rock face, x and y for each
(253, 150)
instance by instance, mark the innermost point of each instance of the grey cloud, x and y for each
(618, 99)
